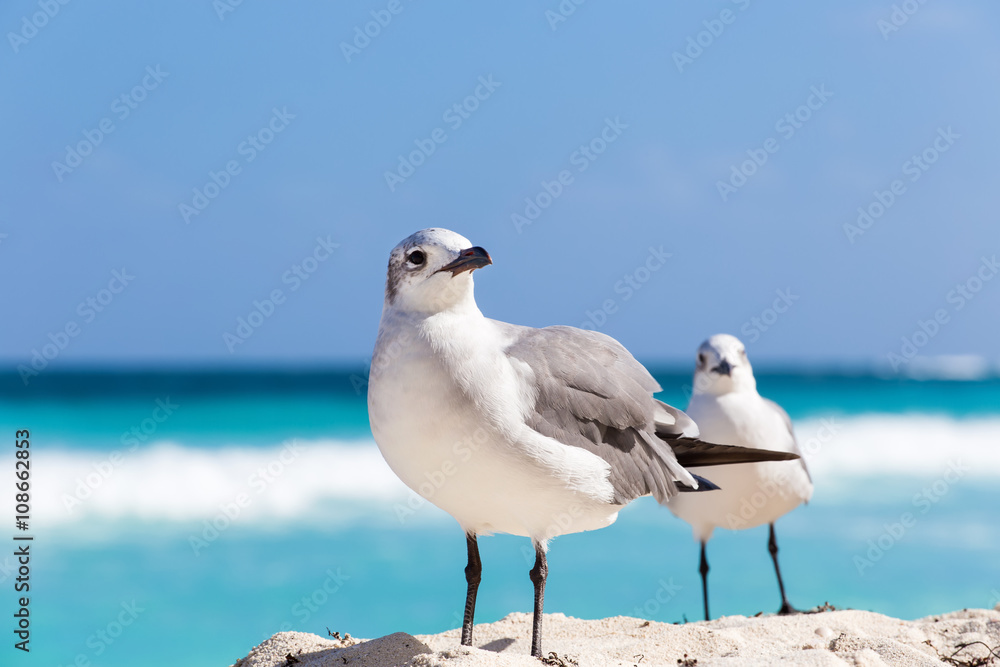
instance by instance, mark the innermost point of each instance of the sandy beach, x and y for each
(850, 637)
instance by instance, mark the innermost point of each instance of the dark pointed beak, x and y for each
(469, 259)
(723, 368)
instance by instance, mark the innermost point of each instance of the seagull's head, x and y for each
(431, 271)
(722, 366)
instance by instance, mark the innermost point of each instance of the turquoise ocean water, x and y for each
(186, 516)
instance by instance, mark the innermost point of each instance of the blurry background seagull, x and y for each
(533, 432)
(727, 408)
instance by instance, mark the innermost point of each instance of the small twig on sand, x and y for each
(971, 662)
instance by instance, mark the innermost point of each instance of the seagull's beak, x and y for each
(468, 259)
(724, 368)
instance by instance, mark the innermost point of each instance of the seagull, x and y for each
(727, 408)
(511, 429)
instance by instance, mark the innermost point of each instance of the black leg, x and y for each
(473, 573)
(703, 568)
(538, 575)
(772, 546)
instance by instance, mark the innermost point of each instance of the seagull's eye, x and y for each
(416, 258)
(743, 352)
(701, 358)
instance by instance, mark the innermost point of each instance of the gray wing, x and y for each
(682, 425)
(788, 422)
(593, 394)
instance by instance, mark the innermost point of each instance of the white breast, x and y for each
(442, 417)
(750, 494)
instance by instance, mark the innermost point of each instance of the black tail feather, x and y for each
(703, 485)
(691, 452)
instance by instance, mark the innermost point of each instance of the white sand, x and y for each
(861, 638)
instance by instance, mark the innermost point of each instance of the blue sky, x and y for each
(308, 135)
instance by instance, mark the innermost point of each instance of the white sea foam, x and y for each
(899, 445)
(319, 482)
(958, 367)
(169, 482)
